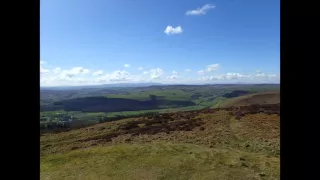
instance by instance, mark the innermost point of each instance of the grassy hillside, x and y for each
(105, 104)
(171, 94)
(174, 92)
(157, 161)
(90, 106)
(204, 144)
(272, 97)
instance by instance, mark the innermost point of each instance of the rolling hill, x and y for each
(271, 97)
(105, 104)
(91, 106)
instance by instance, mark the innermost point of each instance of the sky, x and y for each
(91, 42)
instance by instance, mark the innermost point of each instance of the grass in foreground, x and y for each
(158, 161)
(221, 148)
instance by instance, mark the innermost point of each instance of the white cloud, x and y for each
(97, 73)
(154, 73)
(225, 77)
(212, 67)
(56, 70)
(261, 74)
(115, 76)
(140, 68)
(43, 70)
(174, 75)
(201, 72)
(209, 68)
(236, 76)
(171, 30)
(119, 76)
(63, 78)
(200, 11)
(239, 77)
(75, 71)
(126, 65)
(63, 81)
(56, 76)
(187, 70)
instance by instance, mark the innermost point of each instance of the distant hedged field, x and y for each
(62, 110)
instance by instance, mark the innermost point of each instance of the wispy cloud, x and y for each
(97, 73)
(227, 76)
(212, 67)
(171, 30)
(82, 76)
(43, 70)
(174, 75)
(208, 69)
(154, 73)
(75, 71)
(200, 11)
(115, 76)
(187, 70)
(261, 75)
(56, 70)
(140, 68)
(126, 65)
(201, 72)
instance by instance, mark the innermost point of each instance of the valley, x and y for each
(230, 141)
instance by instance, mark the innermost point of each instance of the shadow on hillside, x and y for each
(104, 104)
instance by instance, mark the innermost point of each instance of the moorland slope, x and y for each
(271, 97)
(223, 143)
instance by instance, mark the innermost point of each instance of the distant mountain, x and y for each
(101, 86)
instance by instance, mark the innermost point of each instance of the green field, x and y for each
(168, 99)
(173, 94)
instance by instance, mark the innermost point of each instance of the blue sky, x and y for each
(86, 42)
